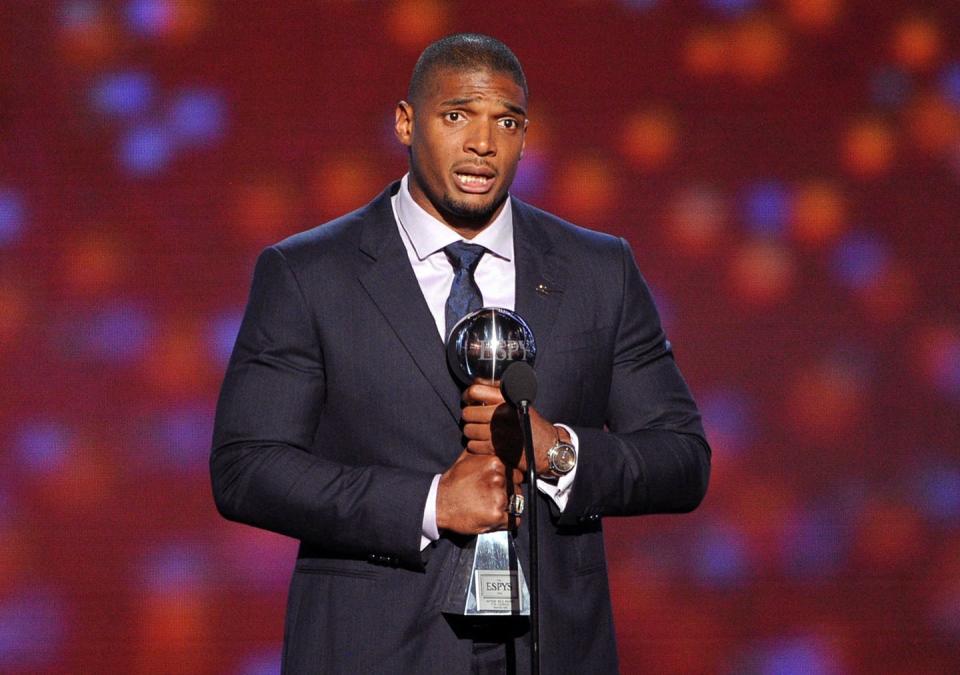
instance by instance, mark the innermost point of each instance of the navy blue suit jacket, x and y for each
(338, 408)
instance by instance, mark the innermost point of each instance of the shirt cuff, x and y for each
(428, 528)
(559, 492)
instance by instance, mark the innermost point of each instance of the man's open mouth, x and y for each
(474, 181)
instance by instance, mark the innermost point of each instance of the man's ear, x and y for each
(523, 144)
(403, 123)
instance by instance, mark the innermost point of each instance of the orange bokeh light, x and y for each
(91, 43)
(264, 211)
(93, 264)
(868, 148)
(814, 15)
(825, 401)
(175, 634)
(818, 213)
(586, 191)
(178, 365)
(761, 273)
(649, 138)
(933, 124)
(344, 184)
(188, 19)
(706, 52)
(917, 43)
(413, 24)
(759, 49)
(697, 220)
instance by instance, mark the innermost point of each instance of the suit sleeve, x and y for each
(262, 469)
(653, 456)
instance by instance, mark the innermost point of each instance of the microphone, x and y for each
(519, 387)
(519, 384)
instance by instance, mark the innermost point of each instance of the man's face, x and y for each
(466, 134)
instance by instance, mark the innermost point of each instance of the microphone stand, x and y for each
(523, 411)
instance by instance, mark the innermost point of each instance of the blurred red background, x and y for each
(787, 173)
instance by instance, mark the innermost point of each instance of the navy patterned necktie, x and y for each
(464, 295)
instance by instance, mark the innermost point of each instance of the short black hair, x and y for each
(465, 51)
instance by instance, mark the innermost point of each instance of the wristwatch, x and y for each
(561, 458)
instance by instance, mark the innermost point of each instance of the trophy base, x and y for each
(488, 580)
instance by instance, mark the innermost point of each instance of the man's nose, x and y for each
(481, 140)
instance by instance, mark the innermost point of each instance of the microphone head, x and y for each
(519, 383)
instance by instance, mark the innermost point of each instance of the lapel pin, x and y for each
(542, 289)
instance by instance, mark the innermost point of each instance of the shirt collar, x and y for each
(428, 235)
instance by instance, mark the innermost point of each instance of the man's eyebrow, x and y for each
(512, 107)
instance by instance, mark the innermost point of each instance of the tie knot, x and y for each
(463, 255)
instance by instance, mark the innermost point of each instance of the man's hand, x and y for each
(472, 495)
(492, 428)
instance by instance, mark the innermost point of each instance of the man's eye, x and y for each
(509, 123)
(453, 116)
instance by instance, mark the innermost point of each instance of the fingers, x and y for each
(482, 393)
(474, 495)
(479, 414)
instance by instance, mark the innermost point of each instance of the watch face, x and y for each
(563, 458)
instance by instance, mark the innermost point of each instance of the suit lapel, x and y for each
(539, 280)
(392, 285)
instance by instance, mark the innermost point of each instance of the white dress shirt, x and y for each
(424, 238)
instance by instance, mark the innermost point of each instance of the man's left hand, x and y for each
(492, 427)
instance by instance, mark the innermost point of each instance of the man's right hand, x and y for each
(472, 495)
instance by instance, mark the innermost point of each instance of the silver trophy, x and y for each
(488, 580)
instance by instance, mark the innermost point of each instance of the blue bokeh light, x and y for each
(728, 418)
(860, 259)
(12, 215)
(946, 378)
(42, 447)
(222, 334)
(197, 117)
(184, 437)
(665, 308)
(149, 18)
(32, 630)
(641, 5)
(145, 149)
(950, 83)
(261, 662)
(792, 656)
(125, 94)
(173, 569)
(261, 560)
(79, 14)
(937, 488)
(119, 333)
(731, 7)
(815, 543)
(531, 176)
(890, 88)
(720, 556)
(766, 208)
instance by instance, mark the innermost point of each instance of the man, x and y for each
(340, 424)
